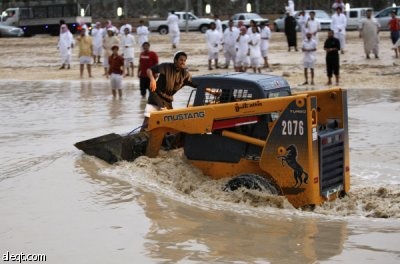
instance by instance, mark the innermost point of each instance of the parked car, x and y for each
(10, 31)
(245, 17)
(323, 17)
(194, 23)
(384, 16)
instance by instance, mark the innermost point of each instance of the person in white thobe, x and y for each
(290, 8)
(369, 32)
(338, 25)
(265, 34)
(128, 52)
(242, 56)
(213, 38)
(302, 21)
(97, 37)
(218, 25)
(255, 50)
(309, 49)
(143, 33)
(338, 3)
(173, 29)
(229, 42)
(313, 26)
(65, 45)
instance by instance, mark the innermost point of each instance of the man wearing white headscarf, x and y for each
(128, 52)
(338, 3)
(313, 26)
(338, 25)
(213, 38)
(143, 33)
(290, 7)
(229, 41)
(65, 45)
(97, 36)
(369, 32)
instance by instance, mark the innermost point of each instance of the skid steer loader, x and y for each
(252, 129)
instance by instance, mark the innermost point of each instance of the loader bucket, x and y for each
(114, 147)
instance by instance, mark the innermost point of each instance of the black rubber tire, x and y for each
(252, 182)
(163, 30)
(203, 28)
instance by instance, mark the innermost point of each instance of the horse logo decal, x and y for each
(290, 158)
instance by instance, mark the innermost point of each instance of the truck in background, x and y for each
(194, 23)
(354, 17)
(45, 19)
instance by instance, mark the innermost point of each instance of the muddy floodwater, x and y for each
(57, 201)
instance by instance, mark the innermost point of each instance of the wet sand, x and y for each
(37, 58)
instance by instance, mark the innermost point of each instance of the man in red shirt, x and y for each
(394, 27)
(147, 59)
(116, 71)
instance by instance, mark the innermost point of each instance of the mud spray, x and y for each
(170, 174)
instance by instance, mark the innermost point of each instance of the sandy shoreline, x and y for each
(37, 58)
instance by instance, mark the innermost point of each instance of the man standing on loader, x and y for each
(171, 78)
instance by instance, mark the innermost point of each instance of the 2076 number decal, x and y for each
(292, 127)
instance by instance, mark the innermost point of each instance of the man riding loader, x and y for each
(252, 129)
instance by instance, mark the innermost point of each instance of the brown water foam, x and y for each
(171, 173)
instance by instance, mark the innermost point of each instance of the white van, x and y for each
(354, 16)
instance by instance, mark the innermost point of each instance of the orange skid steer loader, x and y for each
(252, 129)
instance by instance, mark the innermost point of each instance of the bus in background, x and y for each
(45, 19)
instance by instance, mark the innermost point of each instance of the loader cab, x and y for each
(235, 87)
(232, 88)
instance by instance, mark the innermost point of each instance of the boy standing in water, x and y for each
(85, 52)
(116, 71)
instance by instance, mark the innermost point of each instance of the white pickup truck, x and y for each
(245, 18)
(194, 23)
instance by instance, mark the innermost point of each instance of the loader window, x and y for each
(218, 95)
(275, 94)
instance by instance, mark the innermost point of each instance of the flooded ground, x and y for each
(57, 201)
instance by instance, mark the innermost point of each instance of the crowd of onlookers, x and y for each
(115, 46)
(246, 48)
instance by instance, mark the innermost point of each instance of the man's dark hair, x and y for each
(145, 43)
(178, 54)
